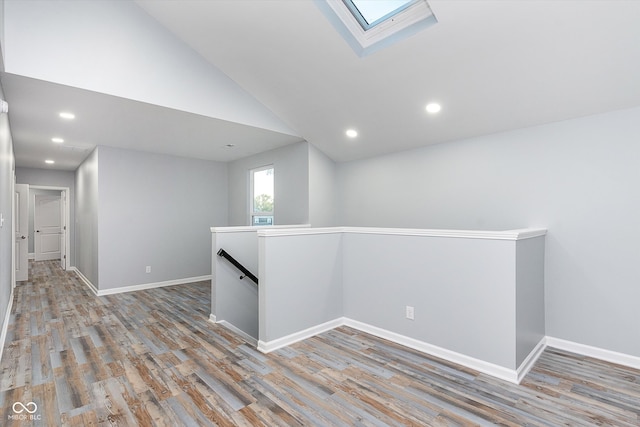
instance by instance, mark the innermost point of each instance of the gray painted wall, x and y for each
(530, 328)
(300, 283)
(52, 178)
(465, 291)
(468, 310)
(156, 210)
(7, 168)
(2, 48)
(86, 223)
(322, 171)
(291, 164)
(577, 178)
(232, 299)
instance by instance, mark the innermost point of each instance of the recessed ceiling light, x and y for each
(230, 145)
(57, 140)
(433, 107)
(351, 133)
(67, 115)
(49, 162)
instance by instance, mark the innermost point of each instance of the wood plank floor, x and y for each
(153, 358)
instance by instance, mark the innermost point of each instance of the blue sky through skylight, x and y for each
(373, 10)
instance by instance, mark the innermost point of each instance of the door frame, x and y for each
(13, 230)
(67, 234)
(20, 211)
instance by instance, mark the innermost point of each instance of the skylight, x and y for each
(369, 13)
(370, 25)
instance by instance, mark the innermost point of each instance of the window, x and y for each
(370, 25)
(261, 196)
(371, 13)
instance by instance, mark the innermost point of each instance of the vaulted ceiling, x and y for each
(492, 65)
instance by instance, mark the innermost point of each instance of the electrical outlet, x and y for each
(148, 269)
(409, 312)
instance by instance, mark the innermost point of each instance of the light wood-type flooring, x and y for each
(153, 358)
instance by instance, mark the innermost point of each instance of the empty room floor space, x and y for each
(153, 357)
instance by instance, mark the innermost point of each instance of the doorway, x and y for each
(45, 224)
(48, 225)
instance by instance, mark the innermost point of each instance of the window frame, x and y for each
(253, 214)
(392, 28)
(362, 20)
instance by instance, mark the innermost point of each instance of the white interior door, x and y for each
(22, 232)
(47, 221)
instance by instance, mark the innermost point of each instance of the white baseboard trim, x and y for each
(102, 292)
(511, 375)
(494, 370)
(31, 255)
(5, 323)
(84, 279)
(212, 318)
(245, 336)
(530, 360)
(269, 346)
(595, 352)
(143, 286)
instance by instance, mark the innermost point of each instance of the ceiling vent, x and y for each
(370, 25)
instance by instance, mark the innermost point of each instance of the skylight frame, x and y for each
(415, 17)
(362, 20)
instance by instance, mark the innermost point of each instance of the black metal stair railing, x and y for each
(237, 265)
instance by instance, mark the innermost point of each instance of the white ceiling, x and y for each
(493, 65)
(109, 120)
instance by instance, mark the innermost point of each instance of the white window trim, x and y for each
(412, 19)
(251, 196)
(364, 22)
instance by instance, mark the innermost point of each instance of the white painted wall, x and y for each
(115, 47)
(156, 210)
(291, 199)
(577, 178)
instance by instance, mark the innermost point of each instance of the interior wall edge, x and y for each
(5, 324)
(85, 280)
